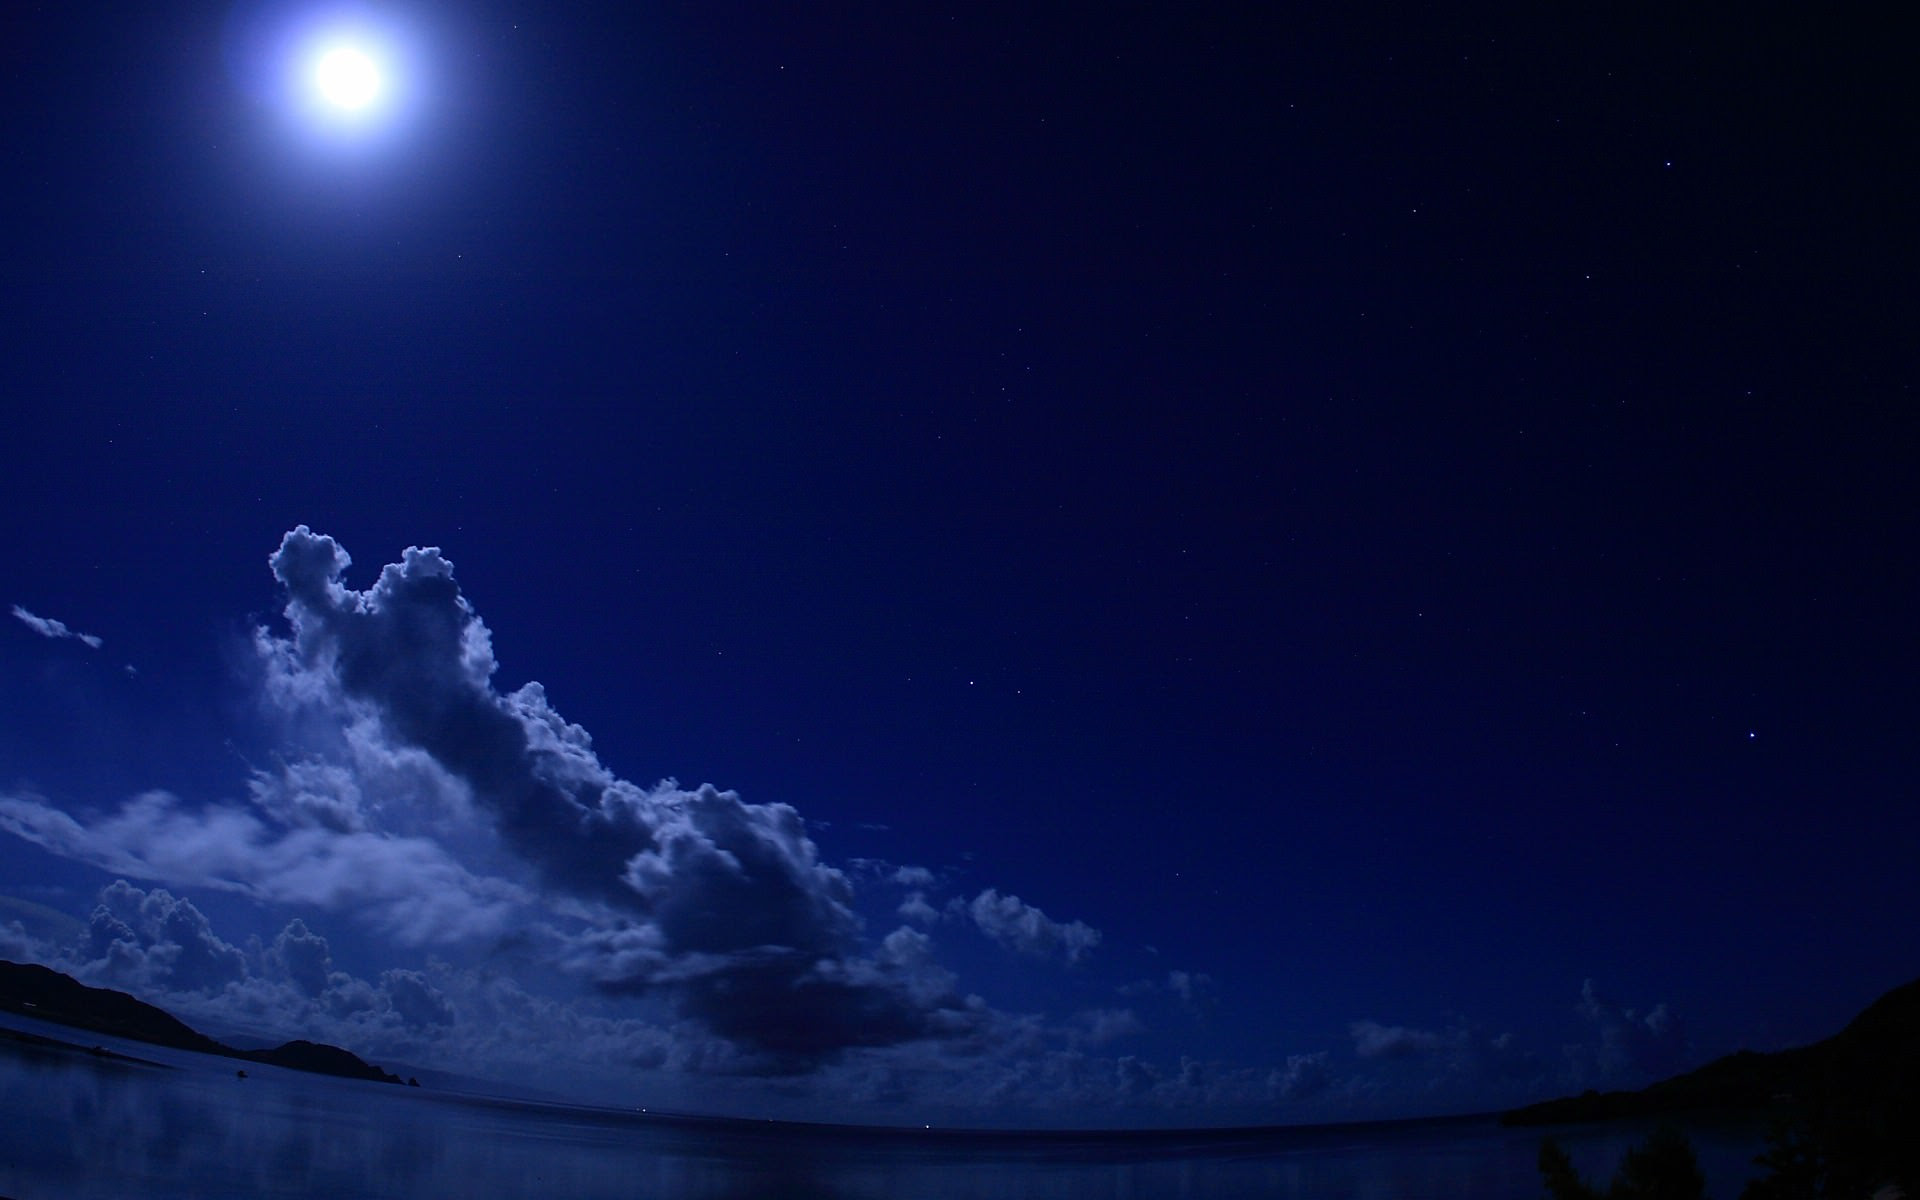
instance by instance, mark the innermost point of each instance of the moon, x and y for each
(343, 82)
(347, 78)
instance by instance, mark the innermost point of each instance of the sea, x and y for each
(75, 1124)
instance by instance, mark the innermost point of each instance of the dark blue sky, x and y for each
(1363, 522)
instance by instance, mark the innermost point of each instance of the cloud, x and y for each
(1190, 986)
(1371, 1039)
(153, 940)
(673, 929)
(162, 948)
(1102, 1025)
(722, 905)
(1630, 1044)
(49, 628)
(415, 999)
(1015, 1067)
(1194, 989)
(17, 945)
(916, 908)
(1017, 924)
(303, 957)
(1304, 1076)
(409, 887)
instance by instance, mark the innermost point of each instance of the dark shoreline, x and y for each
(41, 1042)
(40, 992)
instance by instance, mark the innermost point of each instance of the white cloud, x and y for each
(1015, 923)
(408, 887)
(683, 931)
(916, 908)
(47, 627)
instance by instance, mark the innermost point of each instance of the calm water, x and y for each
(75, 1126)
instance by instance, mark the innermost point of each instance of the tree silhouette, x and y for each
(1840, 1151)
(1661, 1168)
(1794, 1166)
(1563, 1182)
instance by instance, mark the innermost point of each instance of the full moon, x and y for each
(347, 78)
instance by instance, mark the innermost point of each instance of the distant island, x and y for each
(36, 991)
(1871, 1066)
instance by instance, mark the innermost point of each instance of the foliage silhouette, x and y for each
(1661, 1168)
(1840, 1151)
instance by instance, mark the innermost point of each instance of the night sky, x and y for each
(1101, 565)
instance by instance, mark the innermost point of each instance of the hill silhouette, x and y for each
(1873, 1065)
(36, 991)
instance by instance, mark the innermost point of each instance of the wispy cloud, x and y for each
(47, 627)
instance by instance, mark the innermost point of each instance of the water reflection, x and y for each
(76, 1125)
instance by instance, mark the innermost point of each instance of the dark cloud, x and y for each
(303, 956)
(1013, 922)
(1371, 1039)
(49, 628)
(1463, 1051)
(1303, 1077)
(1194, 989)
(411, 995)
(1190, 986)
(1099, 1026)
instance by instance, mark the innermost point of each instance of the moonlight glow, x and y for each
(347, 78)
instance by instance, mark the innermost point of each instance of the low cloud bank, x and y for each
(628, 929)
(438, 810)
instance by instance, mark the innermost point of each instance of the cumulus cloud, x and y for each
(162, 948)
(414, 998)
(721, 904)
(415, 798)
(47, 627)
(303, 957)
(1013, 922)
(143, 940)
